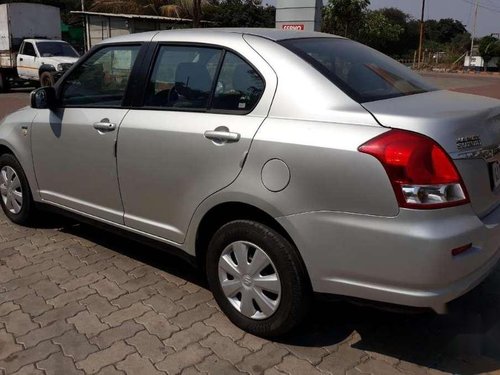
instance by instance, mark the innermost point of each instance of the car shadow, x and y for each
(464, 341)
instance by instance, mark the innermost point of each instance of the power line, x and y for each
(482, 6)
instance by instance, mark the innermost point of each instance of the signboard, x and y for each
(300, 15)
(296, 27)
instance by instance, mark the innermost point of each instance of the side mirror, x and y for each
(43, 98)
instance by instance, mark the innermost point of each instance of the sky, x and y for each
(488, 18)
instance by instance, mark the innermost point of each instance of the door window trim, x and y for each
(128, 93)
(148, 69)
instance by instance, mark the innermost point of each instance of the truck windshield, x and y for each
(361, 72)
(49, 49)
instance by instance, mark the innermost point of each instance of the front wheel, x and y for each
(257, 278)
(46, 79)
(4, 83)
(15, 194)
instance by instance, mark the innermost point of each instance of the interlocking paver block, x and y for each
(34, 271)
(190, 287)
(311, 354)
(8, 307)
(120, 316)
(343, 359)
(269, 356)
(252, 342)
(23, 281)
(18, 323)
(58, 364)
(124, 263)
(7, 344)
(149, 346)
(225, 348)
(110, 370)
(222, 324)
(29, 370)
(16, 261)
(293, 365)
(75, 345)
(41, 334)
(58, 274)
(95, 361)
(157, 325)
(130, 298)
(33, 305)
(215, 365)
(81, 281)
(74, 295)
(377, 366)
(141, 282)
(98, 305)
(185, 337)
(135, 364)
(174, 363)
(195, 299)
(6, 274)
(106, 338)
(16, 360)
(188, 318)
(59, 313)
(169, 290)
(163, 306)
(88, 323)
(108, 289)
(116, 275)
(46, 289)
(88, 269)
(12, 295)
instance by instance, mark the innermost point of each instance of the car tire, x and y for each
(4, 83)
(15, 194)
(46, 79)
(263, 244)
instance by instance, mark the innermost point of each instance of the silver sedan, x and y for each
(283, 163)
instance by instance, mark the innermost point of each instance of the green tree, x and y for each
(377, 31)
(408, 39)
(241, 13)
(344, 17)
(489, 47)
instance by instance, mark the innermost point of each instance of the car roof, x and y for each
(268, 33)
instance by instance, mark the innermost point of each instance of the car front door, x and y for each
(74, 145)
(202, 108)
(26, 61)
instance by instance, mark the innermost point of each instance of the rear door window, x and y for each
(239, 86)
(183, 77)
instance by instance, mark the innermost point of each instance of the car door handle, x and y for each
(104, 126)
(222, 136)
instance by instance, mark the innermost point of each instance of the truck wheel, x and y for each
(4, 84)
(46, 79)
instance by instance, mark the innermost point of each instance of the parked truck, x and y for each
(31, 49)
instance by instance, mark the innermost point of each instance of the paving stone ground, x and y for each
(78, 300)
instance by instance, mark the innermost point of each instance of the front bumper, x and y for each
(404, 260)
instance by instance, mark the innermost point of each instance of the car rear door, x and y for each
(74, 145)
(202, 106)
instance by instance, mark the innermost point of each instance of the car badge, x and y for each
(464, 143)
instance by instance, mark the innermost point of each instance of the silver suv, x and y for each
(284, 163)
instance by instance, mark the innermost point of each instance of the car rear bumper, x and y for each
(404, 260)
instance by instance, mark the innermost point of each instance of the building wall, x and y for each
(299, 14)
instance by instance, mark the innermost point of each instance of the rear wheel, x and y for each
(257, 278)
(46, 79)
(4, 84)
(15, 194)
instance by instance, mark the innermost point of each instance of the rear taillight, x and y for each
(421, 172)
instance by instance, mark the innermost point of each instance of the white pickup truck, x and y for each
(30, 47)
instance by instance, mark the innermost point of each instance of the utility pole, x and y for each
(421, 43)
(473, 31)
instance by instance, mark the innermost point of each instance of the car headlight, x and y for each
(59, 67)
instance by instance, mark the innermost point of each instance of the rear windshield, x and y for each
(49, 49)
(361, 72)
